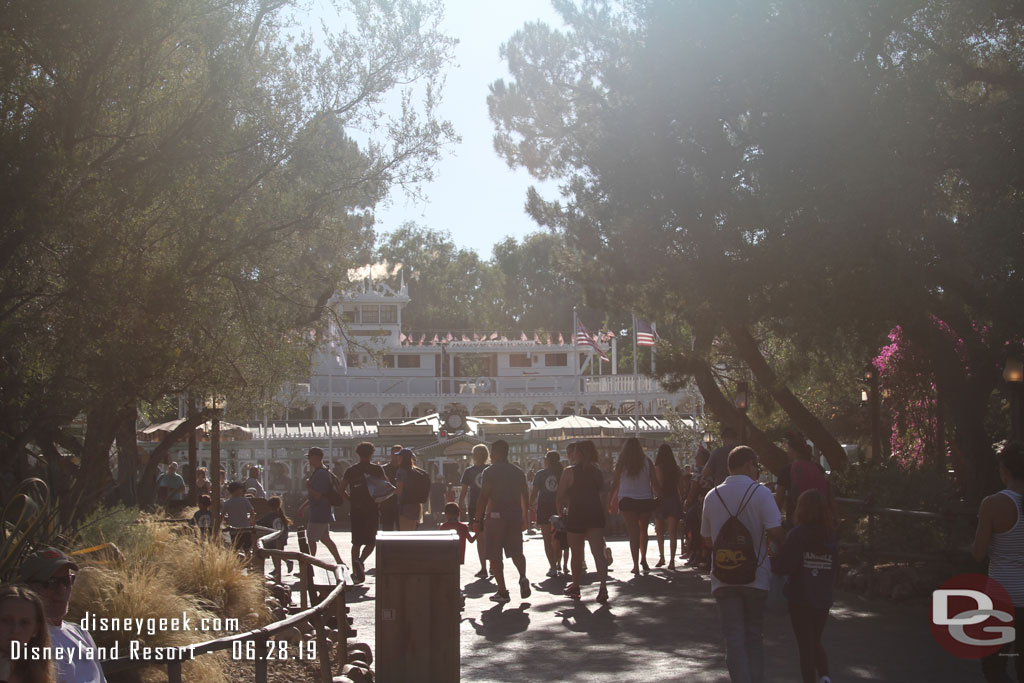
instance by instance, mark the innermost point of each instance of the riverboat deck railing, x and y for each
(540, 385)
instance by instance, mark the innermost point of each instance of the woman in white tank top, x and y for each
(635, 493)
(1000, 535)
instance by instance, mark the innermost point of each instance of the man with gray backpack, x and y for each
(740, 519)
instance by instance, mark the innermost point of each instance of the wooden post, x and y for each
(324, 649)
(193, 464)
(262, 646)
(305, 576)
(341, 617)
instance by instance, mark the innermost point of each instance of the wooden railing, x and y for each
(951, 522)
(315, 611)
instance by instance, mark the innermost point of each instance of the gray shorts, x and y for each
(317, 531)
(503, 534)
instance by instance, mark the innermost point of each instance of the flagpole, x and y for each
(654, 328)
(576, 356)
(636, 385)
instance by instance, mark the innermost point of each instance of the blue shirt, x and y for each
(320, 510)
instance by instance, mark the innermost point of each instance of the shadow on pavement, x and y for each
(498, 624)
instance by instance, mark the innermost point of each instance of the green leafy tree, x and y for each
(798, 168)
(185, 184)
(445, 282)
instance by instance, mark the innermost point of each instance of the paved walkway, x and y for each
(663, 626)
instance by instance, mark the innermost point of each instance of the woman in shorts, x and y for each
(670, 508)
(634, 492)
(542, 494)
(579, 492)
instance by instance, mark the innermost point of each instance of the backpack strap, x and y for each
(744, 501)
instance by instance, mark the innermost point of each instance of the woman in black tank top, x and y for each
(579, 492)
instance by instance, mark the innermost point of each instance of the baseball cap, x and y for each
(42, 565)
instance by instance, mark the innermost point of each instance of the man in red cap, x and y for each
(49, 573)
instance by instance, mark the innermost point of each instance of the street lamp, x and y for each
(871, 397)
(1013, 375)
(215, 404)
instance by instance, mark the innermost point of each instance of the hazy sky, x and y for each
(475, 196)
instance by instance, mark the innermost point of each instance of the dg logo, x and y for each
(972, 616)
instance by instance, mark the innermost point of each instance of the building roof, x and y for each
(476, 425)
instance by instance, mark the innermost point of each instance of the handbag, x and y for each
(379, 489)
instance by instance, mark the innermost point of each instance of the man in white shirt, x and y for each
(49, 573)
(741, 606)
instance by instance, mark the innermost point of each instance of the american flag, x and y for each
(583, 338)
(646, 335)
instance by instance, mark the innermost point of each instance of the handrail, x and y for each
(870, 550)
(314, 613)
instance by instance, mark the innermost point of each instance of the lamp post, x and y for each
(1013, 375)
(742, 403)
(215, 404)
(874, 405)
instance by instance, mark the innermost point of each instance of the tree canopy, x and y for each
(185, 185)
(813, 170)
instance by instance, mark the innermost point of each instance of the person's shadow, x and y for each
(599, 624)
(497, 624)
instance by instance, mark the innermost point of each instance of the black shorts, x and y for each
(364, 526)
(579, 521)
(545, 511)
(639, 505)
(669, 506)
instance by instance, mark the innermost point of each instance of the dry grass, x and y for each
(168, 574)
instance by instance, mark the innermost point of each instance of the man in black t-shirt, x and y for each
(364, 509)
(472, 480)
(717, 468)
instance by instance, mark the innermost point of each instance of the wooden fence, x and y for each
(952, 523)
(316, 607)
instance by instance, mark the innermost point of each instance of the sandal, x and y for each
(573, 591)
(602, 595)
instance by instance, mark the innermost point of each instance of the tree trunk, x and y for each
(147, 484)
(966, 374)
(128, 458)
(770, 455)
(805, 421)
(94, 480)
(679, 366)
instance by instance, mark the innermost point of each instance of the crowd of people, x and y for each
(699, 512)
(727, 521)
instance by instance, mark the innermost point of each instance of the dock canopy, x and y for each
(228, 430)
(574, 427)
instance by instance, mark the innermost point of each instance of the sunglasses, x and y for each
(63, 581)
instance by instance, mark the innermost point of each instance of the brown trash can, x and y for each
(417, 610)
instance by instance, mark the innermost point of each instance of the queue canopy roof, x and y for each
(228, 430)
(573, 427)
